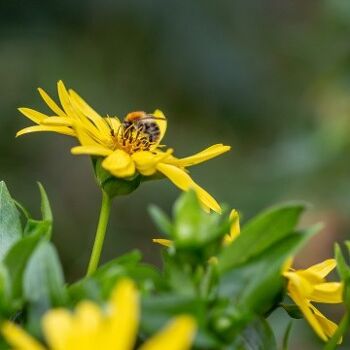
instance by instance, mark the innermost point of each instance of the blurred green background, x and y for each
(270, 78)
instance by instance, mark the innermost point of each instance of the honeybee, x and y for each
(141, 124)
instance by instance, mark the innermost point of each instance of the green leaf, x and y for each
(254, 286)
(43, 277)
(261, 233)
(342, 267)
(45, 204)
(5, 290)
(43, 284)
(256, 336)
(161, 220)
(10, 224)
(17, 258)
(293, 311)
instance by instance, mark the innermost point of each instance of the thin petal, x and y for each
(162, 124)
(304, 306)
(125, 315)
(182, 180)
(323, 269)
(38, 128)
(57, 326)
(330, 293)
(64, 99)
(51, 103)
(178, 335)
(92, 150)
(89, 112)
(33, 115)
(58, 121)
(18, 338)
(164, 242)
(327, 325)
(119, 164)
(202, 156)
(235, 228)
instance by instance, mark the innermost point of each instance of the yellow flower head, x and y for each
(91, 328)
(128, 147)
(309, 285)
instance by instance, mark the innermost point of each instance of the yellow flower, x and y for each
(309, 285)
(235, 230)
(128, 147)
(91, 328)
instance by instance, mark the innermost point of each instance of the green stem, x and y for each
(100, 233)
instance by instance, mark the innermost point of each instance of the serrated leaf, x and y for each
(260, 233)
(10, 224)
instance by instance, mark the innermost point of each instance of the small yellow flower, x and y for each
(309, 285)
(91, 328)
(128, 147)
(235, 230)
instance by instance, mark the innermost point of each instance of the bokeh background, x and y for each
(270, 78)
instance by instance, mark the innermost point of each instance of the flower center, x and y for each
(138, 132)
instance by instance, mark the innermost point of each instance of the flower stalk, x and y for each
(100, 233)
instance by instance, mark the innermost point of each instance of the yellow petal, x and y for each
(235, 227)
(297, 281)
(145, 162)
(329, 327)
(65, 102)
(51, 103)
(178, 335)
(330, 293)
(162, 124)
(92, 150)
(182, 180)
(57, 121)
(124, 315)
(202, 156)
(38, 128)
(165, 242)
(58, 326)
(33, 115)
(119, 164)
(89, 112)
(18, 338)
(304, 306)
(323, 269)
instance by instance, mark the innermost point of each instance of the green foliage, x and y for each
(10, 225)
(229, 289)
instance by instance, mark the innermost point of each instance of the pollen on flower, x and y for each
(138, 132)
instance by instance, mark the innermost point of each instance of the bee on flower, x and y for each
(128, 147)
